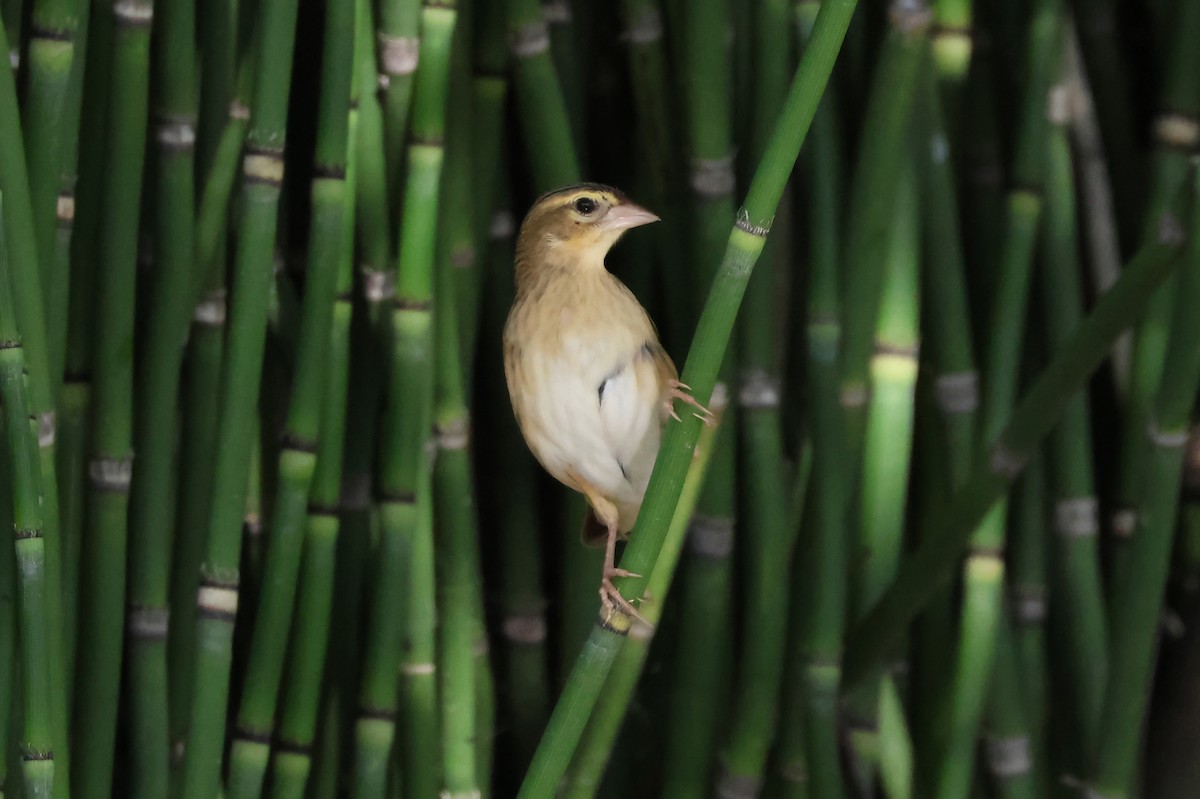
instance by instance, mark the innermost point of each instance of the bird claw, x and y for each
(679, 391)
(612, 600)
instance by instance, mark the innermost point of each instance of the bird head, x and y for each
(576, 225)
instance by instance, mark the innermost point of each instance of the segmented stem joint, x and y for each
(644, 28)
(1077, 517)
(147, 624)
(110, 474)
(710, 537)
(1009, 757)
(398, 55)
(713, 177)
(531, 39)
(759, 390)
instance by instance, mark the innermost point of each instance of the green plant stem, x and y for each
(699, 693)
(538, 93)
(873, 198)
(983, 572)
(217, 598)
(887, 446)
(250, 753)
(1076, 523)
(458, 577)
(1138, 595)
(657, 119)
(933, 562)
(699, 699)
(404, 581)
(595, 749)
(18, 221)
(109, 470)
(48, 125)
(21, 429)
(770, 536)
(1179, 110)
(292, 761)
(374, 217)
(745, 242)
(399, 50)
(156, 419)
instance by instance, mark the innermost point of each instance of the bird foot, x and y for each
(611, 598)
(679, 391)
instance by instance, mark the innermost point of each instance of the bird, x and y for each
(590, 383)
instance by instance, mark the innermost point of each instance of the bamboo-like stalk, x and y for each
(569, 51)
(820, 640)
(18, 221)
(745, 242)
(202, 376)
(955, 388)
(508, 511)
(823, 166)
(1103, 57)
(935, 559)
(542, 110)
(1137, 597)
(404, 580)
(202, 373)
(698, 704)
(489, 99)
(109, 469)
(657, 115)
(1178, 117)
(9, 695)
(587, 767)
(374, 216)
(36, 739)
(983, 572)
(952, 44)
(156, 419)
(250, 751)
(216, 600)
(466, 683)
(1076, 566)
(457, 557)
(887, 447)
(768, 532)
(873, 197)
(49, 125)
(292, 760)
(399, 51)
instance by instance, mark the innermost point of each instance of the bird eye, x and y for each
(585, 205)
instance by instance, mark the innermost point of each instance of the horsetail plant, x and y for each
(291, 762)
(404, 465)
(1134, 612)
(110, 466)
(697, 706)
(241, 370)
(250, 751)
(156, 418)
(36, 746)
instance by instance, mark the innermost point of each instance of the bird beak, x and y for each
(627, 215)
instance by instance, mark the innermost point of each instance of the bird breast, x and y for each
(579, 357)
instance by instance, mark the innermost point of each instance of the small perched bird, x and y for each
(591, 385)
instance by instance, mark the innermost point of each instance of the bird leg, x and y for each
(606, 512)
(610, 597)
(679, 391)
